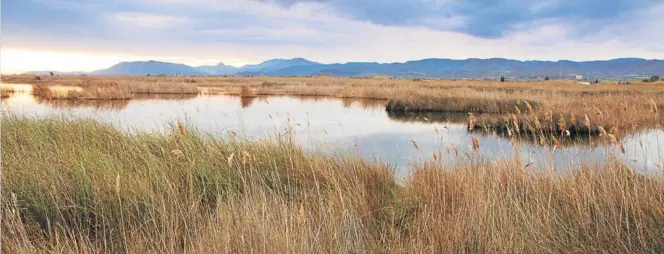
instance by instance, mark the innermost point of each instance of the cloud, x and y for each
(245, 31)
(482, 18)
(149, 20)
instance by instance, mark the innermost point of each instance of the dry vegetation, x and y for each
(108, 91)
(6, 91)
(99, 88)
(162, 88)
(547, 107)
(80, 186)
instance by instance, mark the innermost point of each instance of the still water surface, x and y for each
(338, 125)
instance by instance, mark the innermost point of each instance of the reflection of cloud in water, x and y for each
(453, 143)
(346, 125)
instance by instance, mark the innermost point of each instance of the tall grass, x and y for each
(108, 91)
(163, 88)
(81, 186)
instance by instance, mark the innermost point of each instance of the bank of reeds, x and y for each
(552, 111)
(163, 88)
(107, 91)
(81, 186)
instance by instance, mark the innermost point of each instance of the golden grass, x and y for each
(626, 107)
(107, 91)
(135, 85)
(162, 88)
(79, 186)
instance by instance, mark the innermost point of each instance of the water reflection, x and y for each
(365, 103)
(428, 117)
(95, 104)
(354, 126)
(173, 97)
(18, 88)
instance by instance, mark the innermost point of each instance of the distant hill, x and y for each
(482, 68)
(142, 68)
(432, 68)
(219, 69)
(274, 65)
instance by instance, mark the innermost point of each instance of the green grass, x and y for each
(81, 186)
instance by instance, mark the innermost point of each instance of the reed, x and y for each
(107, 91)
(80, 186)
(163, 87)
(6, 91)
(246, 92)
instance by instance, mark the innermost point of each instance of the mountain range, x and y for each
(429, 68)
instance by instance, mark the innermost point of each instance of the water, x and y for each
(337, 125)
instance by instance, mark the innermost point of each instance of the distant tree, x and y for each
(546, 78)
(654, 78)
(148, 74)
(502, 78)
(51, 74)
(596, 81)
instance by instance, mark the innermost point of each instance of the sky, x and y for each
(86, 35)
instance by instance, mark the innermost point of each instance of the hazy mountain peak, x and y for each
(151, 67)
(431, 67)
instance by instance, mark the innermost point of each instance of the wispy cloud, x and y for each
(149, 20)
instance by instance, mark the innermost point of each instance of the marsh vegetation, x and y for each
(81, 186)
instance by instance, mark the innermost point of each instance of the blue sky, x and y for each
(97, 32)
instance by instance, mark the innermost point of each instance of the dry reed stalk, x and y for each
(476, 143)
(415, 145)
(615, 132)
(538, 125)
(586, 121)
(602, 131)
(515, 123)
(246, 92)
(181, 129)
(562, 124)
(472, 120)
(653, 105)
(529, 107)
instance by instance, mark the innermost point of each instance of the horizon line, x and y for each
(374, 62)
